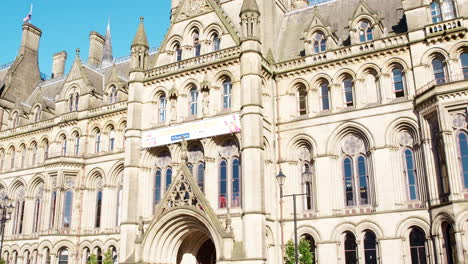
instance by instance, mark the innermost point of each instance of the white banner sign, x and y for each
(193, 130)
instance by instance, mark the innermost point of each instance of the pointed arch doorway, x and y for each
(197, 248)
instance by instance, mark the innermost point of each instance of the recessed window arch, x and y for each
(45, 148)
(216, 41)
(366, 31)
(37, 207)
(370, 247)
(2, 160)
(63, 256)
(348, 90)
(53, 204)
(196, 42)
(464, 64)
(193, 100)
(355, 168)
(417, 242)
(196, 158)
(15, 120)
(77, 101)
(442, 10)
(20, 203)
(98, 216)
(177, 51)
(97, 140)
(113, 94)
(313, 246)
(409, 164)
(12, 153)
(319, 42)
(301, 95)
(63, 143)
(76, 144)
(162, 108)
(350, 248)
(34, 149)
(162, 177)
(157, 186)
(230, 180)
(462, 139)
(23, 156)
(112, 139)
(67, 209)
(439, 69)
(227, 92)
(223, 182)
(168, 178)
(399, 80)
(324, 94)
(306, 163)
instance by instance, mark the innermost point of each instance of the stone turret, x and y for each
(250, 20)
(140, 48)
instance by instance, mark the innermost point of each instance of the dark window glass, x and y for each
(157, 187)
(350, 249)
(417, 246)
(464, 64)
(302, 94)
(201, 176)
(52, 208)
(398, 82)
(449, 242)
(348, 90)
(168, 178)
(370, 248)
(193, 101)
(325, 96)
(410, 172)
(178, 53)
(98, 209)
(37, 210)
(227, 87)
(223, 184)
(463, 145)
(363, 181)
(348, 181)
(67, 209)
(436, 12)
(438, 66)
(236, 184)
(216, 42)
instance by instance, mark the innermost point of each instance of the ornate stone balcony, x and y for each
(108, 109)
(193, 62)
(443, 26)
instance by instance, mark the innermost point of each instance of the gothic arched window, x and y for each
(111, 139)
(236, 184)
(398, 81)
(67, 209)
(216, 41)
(448, 10)
(98, 209)
(227, 89)
(70, 102)
(313, 247)
(223, 184)
(464, 64)
(113, 95)
(119, 204)
(366, 32)
(37, 207)
(12, 158)
(355, 171)
(417, 239)
(370, 247)
(162, 108)
(410, 172)
(348, 87)
(77, 101)
(76, 147)
(320, 42)
(463, 156)
(193, 101)
(448, 237)
(63, 256)
(439, 68)
(53, 204)
(168, 178)
(350, 248)
(37, 114)
(178, 52)
(23, 156)
(302, 100)
(34, 154)
(19, 210)
(201, 176)
(45, 145)
(157, 186)
(324, 95)
(64, 145)
(196, 43)
(97, 141)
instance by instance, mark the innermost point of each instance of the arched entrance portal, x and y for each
(182, 236)
(197, 248)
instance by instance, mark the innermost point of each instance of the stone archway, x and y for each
(196, 248)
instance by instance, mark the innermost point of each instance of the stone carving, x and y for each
(69, 182)
(20, 194)
(229, 149)
(352, 145)
(193, 8)
(459, 121)
(163, 159)
(141, 226)
(99, 183)
(2, 193)
(40, 190)
(304, 154)
(406, 139)
(195, 154)
(182, 194)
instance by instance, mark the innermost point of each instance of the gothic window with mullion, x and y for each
(459, 123)
(302, 97)
(162, 175)
(442, 10)
(196, 165)
(98, 207)
(229, 192)
(410, 170)
(306, 164)
(356, 175)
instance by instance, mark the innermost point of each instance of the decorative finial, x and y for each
(142, 19)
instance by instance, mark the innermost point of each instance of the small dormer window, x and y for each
(320, 43)
(366, 32)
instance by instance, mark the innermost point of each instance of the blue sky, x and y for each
(66, 25)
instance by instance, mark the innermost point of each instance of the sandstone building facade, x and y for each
(170, 155)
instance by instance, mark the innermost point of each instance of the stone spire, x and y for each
(140, 36)
(107, 57)
(249, 6)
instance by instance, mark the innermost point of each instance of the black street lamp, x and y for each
(6, 209)
(281, 178)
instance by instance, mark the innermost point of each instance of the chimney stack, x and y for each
(30, 39)
(58, 64)
(96, 48)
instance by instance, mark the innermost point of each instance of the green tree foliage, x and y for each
(108, 257)
(2, 261)
(92, 259)
(305, 256)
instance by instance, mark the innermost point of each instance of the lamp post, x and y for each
(281, 178)
(6, 209)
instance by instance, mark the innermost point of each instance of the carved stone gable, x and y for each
(182, 194)
(193, 8)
